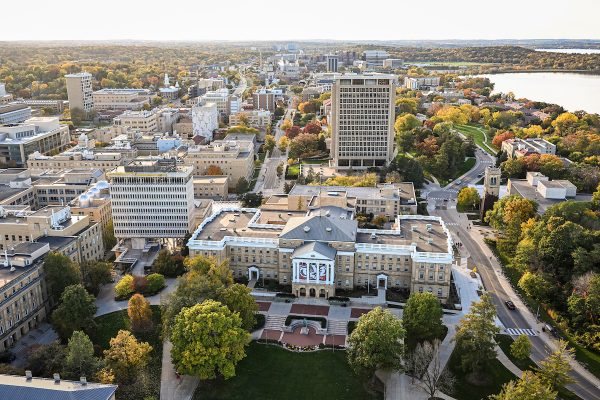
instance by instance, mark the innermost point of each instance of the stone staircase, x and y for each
(335, 327)
(275, 322)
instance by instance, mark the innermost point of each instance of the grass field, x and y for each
(480, 137)
(292, 171)
(270, 372)
(496, 373)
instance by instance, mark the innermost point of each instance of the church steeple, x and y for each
(167, 83)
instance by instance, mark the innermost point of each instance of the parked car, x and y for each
(510, 305)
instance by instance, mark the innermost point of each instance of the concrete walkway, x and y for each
(172, 387)
(503, 358)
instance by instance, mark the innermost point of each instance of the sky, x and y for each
(299, 20)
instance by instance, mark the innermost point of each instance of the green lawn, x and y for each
(497, 375)
(270, 372)
(478, 133)
(292, 171)
(107, 327)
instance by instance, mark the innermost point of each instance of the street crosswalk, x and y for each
(452, 224)
(520, 331)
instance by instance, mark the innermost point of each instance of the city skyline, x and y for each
(330, 21)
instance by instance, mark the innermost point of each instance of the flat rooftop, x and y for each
(7, 192)
(234, 223)
(525, 190)
(420, 236)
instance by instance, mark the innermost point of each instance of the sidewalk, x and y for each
(172, 388)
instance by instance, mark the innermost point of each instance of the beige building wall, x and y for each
(211, 186)
(236, 161)
(79, 91)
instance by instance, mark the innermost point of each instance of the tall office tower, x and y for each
(332, 63)
(79, 90)
(152, 199)
(363, 120)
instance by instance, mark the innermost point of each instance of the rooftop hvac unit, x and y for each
(413, 228)
(429, 240)
(429, 227)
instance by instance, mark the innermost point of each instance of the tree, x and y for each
(283, 144)
(509, 213)
(46, 359)
(427, 367)
(286, 124)
(242, 186)
(213, 170)
(208, 340)
(534, 285)
(269, 143)
(406, 122)
(75, 311)
(279, 169)
(475, 336)
(80, 360)
(108, 235)
(554, 369)
(422, 318)
(95, 273)
(154, 283)
(530, 387)
(501, 137)
(60, 272)
(468, 197)
(168, 264)
(406, 105)
(252, 200)
(521, 347)
(376, 343)
(238, 299)
(565, 123)
(454, 115)
(126, 355)
(124, 288)
(409, 170)
(292, 132)
(312, 128)
(139, 312)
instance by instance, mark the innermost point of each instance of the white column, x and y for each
(331, 272)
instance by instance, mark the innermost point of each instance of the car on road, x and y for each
(480, 174)
(458, 182)
(510, 305)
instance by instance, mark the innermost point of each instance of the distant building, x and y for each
(29, 388)
(264, 99)
(517, 148)
(332, 63)
(151, 199)
(363, 120)
(14, 113)
(37, 135)
(393, 63)
(422, 83)
(121, 99)
(259, 119)
(79, 91)
(143, 121)
(57, 106)
(5, 97)
(205, 120)
(375, 57)
(226, 103)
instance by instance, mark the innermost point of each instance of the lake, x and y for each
(570, 90)
(572, 51)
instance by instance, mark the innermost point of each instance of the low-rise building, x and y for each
(393, 63)
(24, 296)
(234, 158)
(37, 135)
(77, 157)
(517, 148)
(56, 106)
(259, 119)
(318, 252)
(29, 388)
(14, 113)
(60, 187)
(121, 99)
(143, 121)
(375, 57)
(211, 186)
(422, 82)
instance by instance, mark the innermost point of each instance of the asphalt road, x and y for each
(445, 200)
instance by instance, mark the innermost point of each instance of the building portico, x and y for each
(313, 270)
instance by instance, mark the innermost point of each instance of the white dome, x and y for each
(84, 200)
(101, 185)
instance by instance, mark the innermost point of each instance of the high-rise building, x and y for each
(152, 199)
(332, 63)
(205, 119)
(264, 99)
(362, 120)
(79, 90)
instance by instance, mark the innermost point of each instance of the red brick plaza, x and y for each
(312, 338)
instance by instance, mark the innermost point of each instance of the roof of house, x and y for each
(20, 388)
(323, 228)
(318, 247)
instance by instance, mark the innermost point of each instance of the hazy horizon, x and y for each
(311, 20)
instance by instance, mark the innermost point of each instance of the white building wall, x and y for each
(205, 119)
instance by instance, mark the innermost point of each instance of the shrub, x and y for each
(259, 322)
(140, 283)
(124, 288)
(155, 283)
